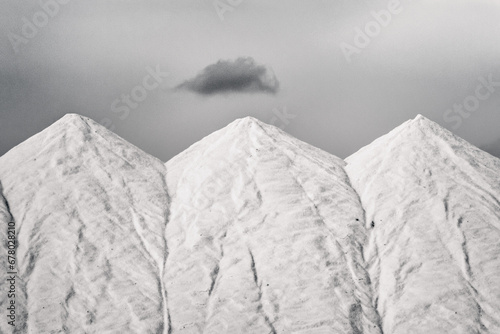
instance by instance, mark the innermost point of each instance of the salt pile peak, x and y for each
(433, 200)
(90, 211)
(268, 233)
(250, 230)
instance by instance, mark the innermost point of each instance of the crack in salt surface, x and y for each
(259, 287)
(378, 321)
(466, 269)
(167, 320)
(22, 321)
(468, 274)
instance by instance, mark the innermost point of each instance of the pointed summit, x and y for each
(73, 118)
(247, 120)
(251, 231)
(420, 134)
(237, 141)
(93, 209)
(72, 135)
(252, 201)
(247, 127)
(421, 122)
(433, 200)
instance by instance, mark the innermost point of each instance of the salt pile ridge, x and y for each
(433, 255)
(252, 231)
(90, 211)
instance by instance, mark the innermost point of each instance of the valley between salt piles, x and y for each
(250, 230)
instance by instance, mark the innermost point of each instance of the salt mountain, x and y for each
(251, 231)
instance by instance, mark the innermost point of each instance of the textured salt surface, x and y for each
(265, 236)
(252, 231)
(433, 255)
(90, 213)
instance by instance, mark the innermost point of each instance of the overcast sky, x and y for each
(336, 74)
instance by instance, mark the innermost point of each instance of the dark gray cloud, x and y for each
(226, 76)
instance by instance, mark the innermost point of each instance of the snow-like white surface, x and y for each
(433, 253)
(90, 212)
(252, 231)
(5, 286)
(265, 235)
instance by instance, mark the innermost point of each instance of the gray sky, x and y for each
(342, 77)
